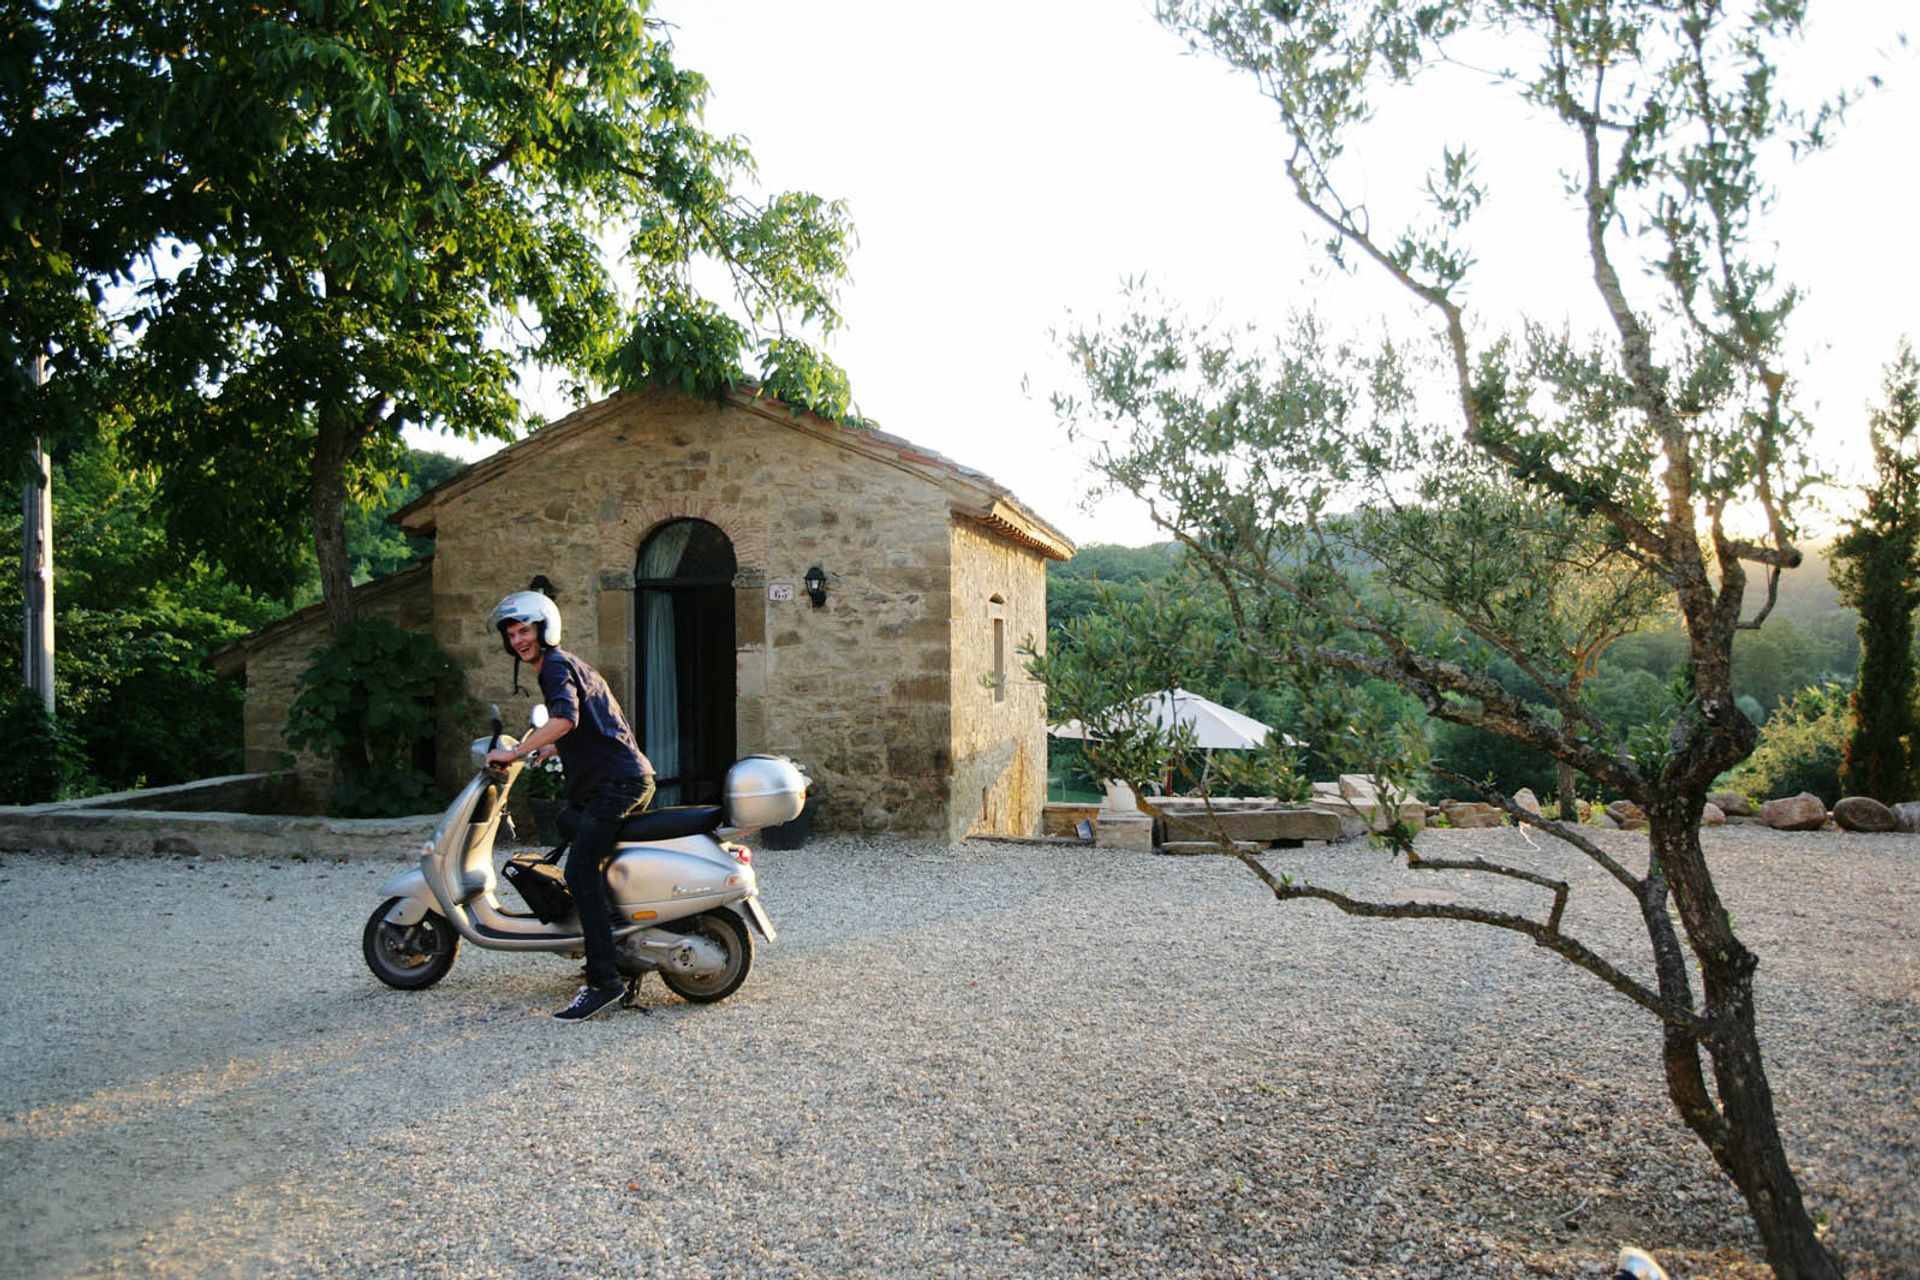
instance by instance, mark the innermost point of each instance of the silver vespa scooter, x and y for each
(684, 895)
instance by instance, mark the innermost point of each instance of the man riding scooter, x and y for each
(607, 778)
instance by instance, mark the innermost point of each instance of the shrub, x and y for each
(1800, 747)
(1500, 762)
(45, 759)
(367, 703)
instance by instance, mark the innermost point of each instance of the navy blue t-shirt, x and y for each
(601, 746)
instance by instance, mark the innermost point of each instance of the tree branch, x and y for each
(1558, 830)
(1571, 949)
(1430, 680)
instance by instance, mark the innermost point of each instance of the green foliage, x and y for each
(45, 759)
(1809, 639)
(1075, 587)
(1876, 565)
(807, 380)
(1488, 759)
(278, 236)
(374, 547)
(368, 702)
(1070, 775)
(545, 781)
(1800, 748)
(1177, 634)
(133, 618)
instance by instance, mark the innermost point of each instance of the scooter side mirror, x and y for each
(494, 740)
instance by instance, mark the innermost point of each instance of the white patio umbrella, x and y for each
(1213, 725)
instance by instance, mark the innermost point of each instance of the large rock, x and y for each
(1060, 818)
(1804, 812)
(1712, 816)
(1116, 829)
(1731, 803)
(1864, 813)
(1471, 814)
(1628, 815)
(1359, 788)
(1906, 816)
(1354, 798)
(1525, 799)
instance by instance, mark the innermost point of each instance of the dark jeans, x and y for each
(601, 813)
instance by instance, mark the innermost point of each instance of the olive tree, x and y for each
(1665, 439)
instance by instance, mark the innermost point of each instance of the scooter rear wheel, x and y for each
(725, 930)
(409, 956)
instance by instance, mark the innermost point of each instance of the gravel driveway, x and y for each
(989, 1060)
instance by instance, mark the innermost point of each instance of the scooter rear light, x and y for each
(741, 853)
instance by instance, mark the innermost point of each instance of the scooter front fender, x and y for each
(415, 898)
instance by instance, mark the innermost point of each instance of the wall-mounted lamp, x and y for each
(816, 583)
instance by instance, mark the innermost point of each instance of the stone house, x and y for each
(748, 578)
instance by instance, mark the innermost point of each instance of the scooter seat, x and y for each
(656, 824)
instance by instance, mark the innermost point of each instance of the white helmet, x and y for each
(527, 606)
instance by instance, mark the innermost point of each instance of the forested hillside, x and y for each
(1808, 640)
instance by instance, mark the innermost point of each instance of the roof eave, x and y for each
(1021, 527)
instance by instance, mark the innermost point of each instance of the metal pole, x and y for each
(36, 562)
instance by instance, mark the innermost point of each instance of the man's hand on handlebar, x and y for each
(501, 757)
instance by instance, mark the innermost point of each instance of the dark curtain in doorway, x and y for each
(684, 598)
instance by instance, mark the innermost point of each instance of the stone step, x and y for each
(1260, 826)
(1198, 848)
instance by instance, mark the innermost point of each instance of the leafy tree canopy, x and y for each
(281, 235)
(136, 614)
(377, 548)
(1074, 587)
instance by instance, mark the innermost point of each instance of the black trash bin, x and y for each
(791, 835)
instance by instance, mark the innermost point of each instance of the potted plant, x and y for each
(544, 785)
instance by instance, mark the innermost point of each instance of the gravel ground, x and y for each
(988, 1060)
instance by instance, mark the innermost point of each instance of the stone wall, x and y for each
(860, 690)
(276, 657)
(999, 712)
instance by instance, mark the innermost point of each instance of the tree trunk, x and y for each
(1742, 1132)
(333, 445)
(1569, 798)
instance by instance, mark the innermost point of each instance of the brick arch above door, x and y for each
(748, 530)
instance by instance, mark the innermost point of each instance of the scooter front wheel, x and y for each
(409, 956)
(725, 930)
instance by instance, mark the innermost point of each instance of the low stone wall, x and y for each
(106, 830)
(235, 793)
(1258, 822)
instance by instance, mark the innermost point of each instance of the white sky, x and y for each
(1007, 163)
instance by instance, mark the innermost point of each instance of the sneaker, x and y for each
(589, 1001)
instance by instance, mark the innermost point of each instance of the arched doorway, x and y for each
(683, 618)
